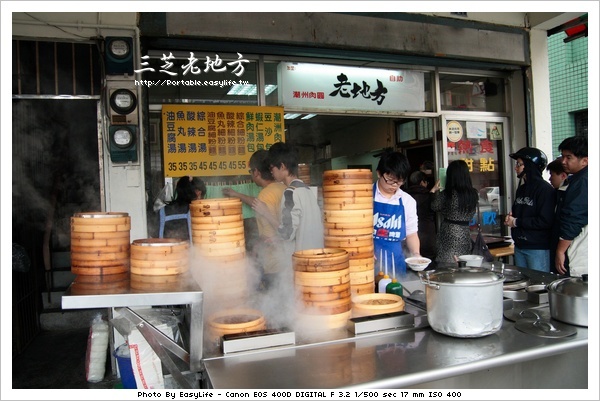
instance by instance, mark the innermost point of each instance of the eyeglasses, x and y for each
(392, 182)
(517, 164)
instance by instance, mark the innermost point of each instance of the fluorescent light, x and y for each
(308, 116)
(249, 89)
(291, 116)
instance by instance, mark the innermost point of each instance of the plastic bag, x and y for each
(480, 248)
(165, 196)
(97, 347)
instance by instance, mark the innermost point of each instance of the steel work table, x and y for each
(183, 291)
(413, 358)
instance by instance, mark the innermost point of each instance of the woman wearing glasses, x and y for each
(457, 204)
(394, 212)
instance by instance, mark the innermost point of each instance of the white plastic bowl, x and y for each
(417, 263)
(472, 260)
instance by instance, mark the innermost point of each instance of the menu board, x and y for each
(200, 140)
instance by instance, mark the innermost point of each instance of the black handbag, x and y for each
(481, 248)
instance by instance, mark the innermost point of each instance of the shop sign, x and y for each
(330, 87)
(201, 140)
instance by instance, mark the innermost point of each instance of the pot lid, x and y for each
(532, 313)
(463, 275)
(572, 286)
(544, 328)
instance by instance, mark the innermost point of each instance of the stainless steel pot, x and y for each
(568, 298)
(464, 302)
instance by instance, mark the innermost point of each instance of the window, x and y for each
(471, 93)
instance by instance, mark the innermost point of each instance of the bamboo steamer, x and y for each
(364, 277)
(216, 219)
(348, 173)
(304, 173)
(361, 289)
(341, 241)
(308, 295)
(320, 260)
(362, 264)
(159, 257)
(348, 231)
(376, 304)
(215, 226)
(360, 188)
(160, 283)
(215, 239)
(322, 276)
(233, 321)
(206, 205)
(348, 206)
(331, 193)
(100, 243)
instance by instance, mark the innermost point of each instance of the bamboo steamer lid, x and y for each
(100, 243)
(376, 304)
(200, 205)
(159, 256)
(320, 260)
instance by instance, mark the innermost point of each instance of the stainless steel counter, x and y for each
(176, 290)
(419, 358)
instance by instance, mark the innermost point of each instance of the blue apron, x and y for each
(389, 229)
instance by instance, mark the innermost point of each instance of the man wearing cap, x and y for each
(532, 212)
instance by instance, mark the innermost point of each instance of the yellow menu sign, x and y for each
(201, 140)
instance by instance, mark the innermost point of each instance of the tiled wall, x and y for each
(568, 84)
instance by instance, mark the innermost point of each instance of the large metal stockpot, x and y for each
(568, 298)
(464, 302)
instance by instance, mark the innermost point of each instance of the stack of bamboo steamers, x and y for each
(218, 239)
(348, 222)
(100, 252)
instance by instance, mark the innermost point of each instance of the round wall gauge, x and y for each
(119, 48)
(123, 101)
(123, 137)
